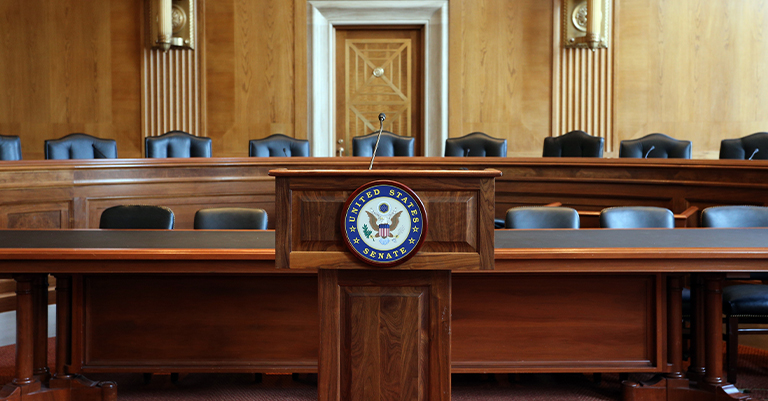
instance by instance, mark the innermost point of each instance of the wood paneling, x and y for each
(70, 66)
(251, 331)
(249, 72)
(582, 90)
(693, 70)
(455, 241)
(76, 192)
(361, 95)
(172, 92)
(567, 314)
(500, 67)
(384, 335)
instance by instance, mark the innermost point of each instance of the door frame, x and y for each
(324, 16)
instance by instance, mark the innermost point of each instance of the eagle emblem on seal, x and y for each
(384, 225)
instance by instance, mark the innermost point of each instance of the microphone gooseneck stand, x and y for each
(382, 117)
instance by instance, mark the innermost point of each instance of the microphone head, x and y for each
(382, 116)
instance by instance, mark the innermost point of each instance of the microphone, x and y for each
(285, 153)
(649, 152)
(753, 154)
(466, 152)
(382, 117)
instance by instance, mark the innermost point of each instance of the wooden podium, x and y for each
(384, 331)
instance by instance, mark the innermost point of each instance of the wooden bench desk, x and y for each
(212, 301)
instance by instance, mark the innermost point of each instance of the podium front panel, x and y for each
(459, 207)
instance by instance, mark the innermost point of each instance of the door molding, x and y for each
(323, 18)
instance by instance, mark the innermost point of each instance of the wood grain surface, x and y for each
(310, 199)
(691, 70)
(385, 335)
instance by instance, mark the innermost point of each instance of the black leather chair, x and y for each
(137, 217)
(476, 144)
(389, 145)
(636, 217)
(80, 146)
(10, 147)
(573, 144)
(278, 145)
(231, 218)
(529, 217)
(742, 303)
(655, 146)
(177, 144)
(750, 147)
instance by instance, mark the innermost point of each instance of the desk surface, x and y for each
(584, 239)
(516, 250)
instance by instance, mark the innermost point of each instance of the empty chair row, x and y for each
(170, 144)
(153, 217)
(571, 144)
(581, 144)
(533, 217)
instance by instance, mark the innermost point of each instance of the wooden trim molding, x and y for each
(172, 87)
(582, 87)
(322, 19)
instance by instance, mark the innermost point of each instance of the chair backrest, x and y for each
(528, 217)
(476, 144)
(10, 147)
(637, 217)
(751, 147)
(655, 146)
(734, 216)
(177, 144)
(80, 146)
(573, 144)
(278, 145)
(137, 217)
(231, 218)
(389, 145)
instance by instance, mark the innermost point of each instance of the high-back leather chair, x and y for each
(529, 217)
(389, 145)
(476, 144)
(278, 145)
(177, 144)
(637, 217)
(750, 147)
(80, 146)
(573, 144)
(10, 147)
(231, 218)
(742, 303)
(655, 146)
(137, 217)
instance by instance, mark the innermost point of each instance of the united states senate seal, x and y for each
(384, 223)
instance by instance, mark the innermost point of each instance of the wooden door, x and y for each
(378, 71)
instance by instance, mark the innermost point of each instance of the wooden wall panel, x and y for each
(69, 66)
(500, 73)
(561, 317)
(582, 90)
(249, 67)
(693, 70)
(172, 92)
